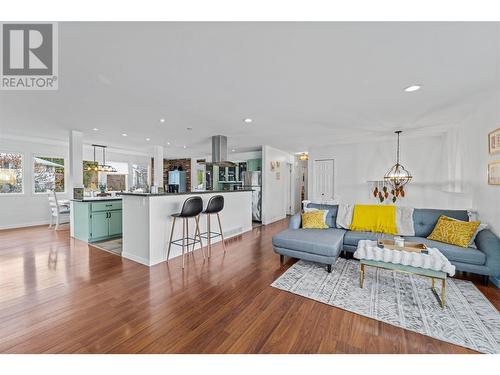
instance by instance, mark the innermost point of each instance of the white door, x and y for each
(324, 180)
(288, 188)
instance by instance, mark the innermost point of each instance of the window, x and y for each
(139, 176)
(90, 176)
(11, 173)
(116, 182)
(48, 174)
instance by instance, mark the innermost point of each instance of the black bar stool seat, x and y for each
(191, 208)
(214, 206)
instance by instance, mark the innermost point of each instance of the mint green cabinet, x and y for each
(115, 223)
(99, 224)
(97, 221)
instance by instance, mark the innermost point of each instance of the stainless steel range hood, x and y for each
(219, 152)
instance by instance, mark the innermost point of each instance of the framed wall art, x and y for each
(494, 172)
(494, 141)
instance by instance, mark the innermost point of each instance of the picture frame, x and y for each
(494, 172)
(494, 141)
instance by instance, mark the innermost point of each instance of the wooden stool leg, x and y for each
(221, 234)
(208, 236)
(183, 239)
(171, 236)
(197, 233)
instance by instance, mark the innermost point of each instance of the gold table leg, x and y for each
(443, 286)
(362, 276)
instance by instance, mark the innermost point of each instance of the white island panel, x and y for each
(147, 223)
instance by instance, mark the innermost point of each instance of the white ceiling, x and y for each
(303, 84)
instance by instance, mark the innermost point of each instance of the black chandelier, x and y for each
(398, 176)
(101, 167)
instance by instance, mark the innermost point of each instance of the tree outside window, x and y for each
(11, 173)
(90, 175)
(48, 174)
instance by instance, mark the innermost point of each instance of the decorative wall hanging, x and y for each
(494, 173)
(494, 141)
(383, 191)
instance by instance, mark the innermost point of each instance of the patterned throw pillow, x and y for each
(314, 219)
(454, 232)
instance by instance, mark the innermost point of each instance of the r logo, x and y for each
(27, 49)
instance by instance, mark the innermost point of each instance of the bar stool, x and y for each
(214, 206)
(191, 208)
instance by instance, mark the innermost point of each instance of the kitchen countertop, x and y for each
(186, 193)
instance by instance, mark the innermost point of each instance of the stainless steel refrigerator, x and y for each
(253, 180)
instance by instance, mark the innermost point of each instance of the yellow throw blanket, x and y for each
(373, 218)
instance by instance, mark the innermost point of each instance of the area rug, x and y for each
(111, 246)
(403, 300)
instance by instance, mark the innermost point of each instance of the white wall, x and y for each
(440, 180)
(32, 209)
(273, 190)
(29, 208)
(355, 164)
(475, 129)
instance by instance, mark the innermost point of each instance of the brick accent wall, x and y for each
(169, 164)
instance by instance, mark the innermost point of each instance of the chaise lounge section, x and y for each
(324, 245)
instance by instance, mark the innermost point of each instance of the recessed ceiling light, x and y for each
(233, 150)
(148, 139)
(168, 143)
(124, 134)
(413, 88)
(247, 120)
(162, 120)
(184, 146)
(95, 129)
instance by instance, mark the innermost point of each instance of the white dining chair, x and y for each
(59, 209)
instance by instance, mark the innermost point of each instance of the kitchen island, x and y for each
(147, 221)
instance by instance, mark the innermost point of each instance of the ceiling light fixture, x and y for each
(233, 150)
(100, 167)
(413, 88)
(95, 129)
(247, 120)
(124, 135)
(304, 156)
(397, 176)
(148, 139)
(168, 143)
(162, 120)
(184, 146)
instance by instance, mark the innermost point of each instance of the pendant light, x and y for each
(101, 167)
(398, 176)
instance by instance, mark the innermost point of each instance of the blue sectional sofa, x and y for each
(324, 245)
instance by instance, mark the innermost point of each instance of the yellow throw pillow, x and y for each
(454, 232)
(314, 220)
(374, 218)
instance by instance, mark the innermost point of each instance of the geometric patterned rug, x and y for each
(400, 299)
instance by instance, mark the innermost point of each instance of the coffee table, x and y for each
(435, 267)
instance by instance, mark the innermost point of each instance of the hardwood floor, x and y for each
(58, 295)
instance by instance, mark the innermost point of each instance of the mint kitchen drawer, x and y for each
(106, 206)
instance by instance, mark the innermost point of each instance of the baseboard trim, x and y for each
(25, 225)
(136, 258)
(273, 220)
